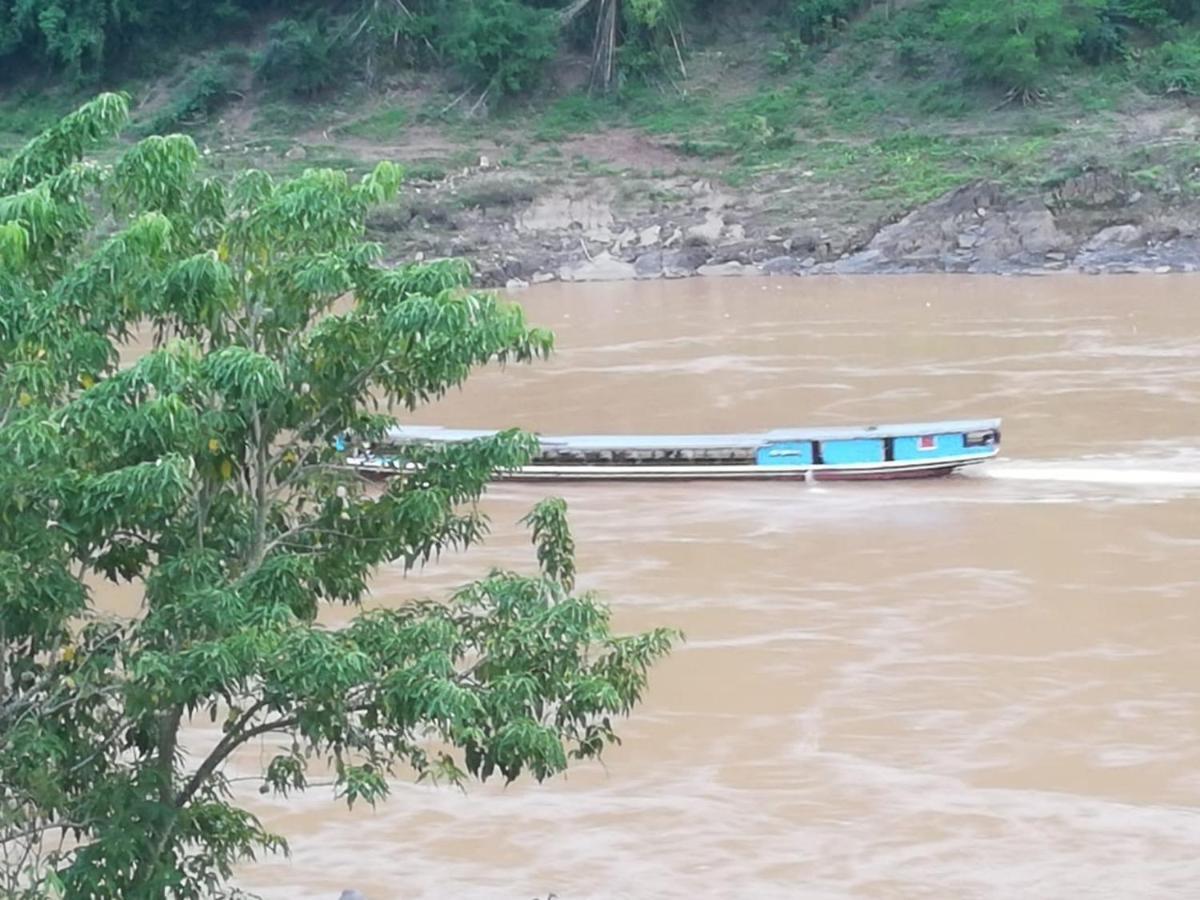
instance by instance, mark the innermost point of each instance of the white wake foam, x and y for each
(1073, 473)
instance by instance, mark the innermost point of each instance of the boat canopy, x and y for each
(748, 441)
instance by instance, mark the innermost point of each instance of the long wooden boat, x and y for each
(918, 450)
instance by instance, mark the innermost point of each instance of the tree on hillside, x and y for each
(206, 473)
(657, 20)
(1015, 44)
(83, 38)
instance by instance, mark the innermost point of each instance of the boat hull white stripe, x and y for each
(587, 472)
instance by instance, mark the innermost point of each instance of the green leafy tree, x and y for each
(71, 33)
(1173, 67)
(1154, 14)
(814, 21)
(1018, 44)
(500, 44)
(642, 35)
(83, 38)
(300, 58)
(207, 473)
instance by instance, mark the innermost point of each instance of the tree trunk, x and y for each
(604, 47)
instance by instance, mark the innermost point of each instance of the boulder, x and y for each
(649, 265)
(708, 232)
(602, 267)
(803, 240)
(783, 265)
(1035, 229)
(726, 269)
(682, 263)
(624, 239)
(1114, 235)
(590, 215)
(649, 236)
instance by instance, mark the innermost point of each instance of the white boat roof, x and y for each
(434, 434)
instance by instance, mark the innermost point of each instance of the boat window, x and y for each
(979, 438)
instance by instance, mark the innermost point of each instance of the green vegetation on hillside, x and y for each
(503, 44)
(896, 99)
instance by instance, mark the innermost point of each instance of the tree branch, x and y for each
(569, 13)
(234, 738)
(8, 838)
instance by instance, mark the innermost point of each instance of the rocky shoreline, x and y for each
(1096, 222)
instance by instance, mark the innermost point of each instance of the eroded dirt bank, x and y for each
(519, 229)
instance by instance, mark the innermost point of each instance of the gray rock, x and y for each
(624, 239)
(782, 265)
(957, 262)
(681, 263)
(602, 267)
(649, 265)
(735, 234)
(726, 269)
(648, 237)
(296, 153)
(1121, 235)
(543, 277)
(1036, 229)
(868, 260)
(927, 238)
(708, 232)
(1093, 189)
(352, 895)
(803, 240)
(555, 213)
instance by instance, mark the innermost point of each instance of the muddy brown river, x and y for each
(983, 686)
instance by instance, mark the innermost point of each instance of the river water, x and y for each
(983, 686)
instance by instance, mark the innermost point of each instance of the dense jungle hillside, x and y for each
(642, 138)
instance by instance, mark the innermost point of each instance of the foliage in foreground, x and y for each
(205, 472)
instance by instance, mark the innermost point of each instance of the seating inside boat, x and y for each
(717, 456)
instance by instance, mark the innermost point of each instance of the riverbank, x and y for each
(520, 231)
(848, 158)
